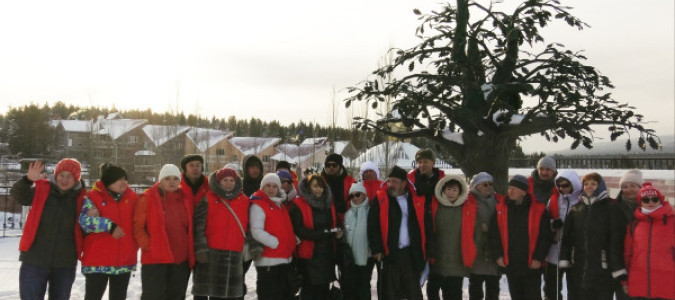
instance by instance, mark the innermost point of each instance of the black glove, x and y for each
(557, 224)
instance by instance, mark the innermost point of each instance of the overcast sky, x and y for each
(280, 59)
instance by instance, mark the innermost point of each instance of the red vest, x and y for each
(101, 249)
(306, 247)
(469, 211)
(553, 207)
(222, 231)
(411, 175)
(277, 223)
(372, 186)
(42, 189)
(536, 210)
(159, 251)
(418, 206)
(201, 192)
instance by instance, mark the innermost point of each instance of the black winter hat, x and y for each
(111, 173)
(334, 157)
(283, 165)
(188, 158)
(397, 172)
(520, 182)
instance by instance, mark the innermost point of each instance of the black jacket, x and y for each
(622, 212)
(251, 184)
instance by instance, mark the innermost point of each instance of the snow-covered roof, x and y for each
(113, 116)
(340, 146)
(205, 138)
(253, 145)
(54, 123)
(118, 127)
(400, 154)
(77, 125)
(294, 153)
(144, 153)
(160, 134)
(315, 141)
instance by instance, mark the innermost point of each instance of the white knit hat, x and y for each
(169, 170)
(357, 187)
(270, 178)
(634, 176)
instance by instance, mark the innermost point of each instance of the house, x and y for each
(162, 144)
(212, 144)
(389, 154)
(263, 147)
(117, 141)
(300, 157)
(72, 138)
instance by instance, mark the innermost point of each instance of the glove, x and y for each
(202, 257)
(557, 224)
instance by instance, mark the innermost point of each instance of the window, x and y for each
(235, 158)
(266, 158)
(133, 139)
(220, 151)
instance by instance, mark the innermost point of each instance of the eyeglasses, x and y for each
(564, 185)
(646, 200)
(332, 165)
(355, 195)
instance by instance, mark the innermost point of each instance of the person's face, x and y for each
(451, 192)
(119, 186)
(369, 175)
(316, 188)
(253, 171)
(425, 166)
(357, 197)
(650, 202)
(65, 180)
(485, 188)
(395, 186)
(564, 186)
(286, 185)
(332, 168)
(545, 174)
(170, 184)
(590, 186)
(193, 170)
(271, 190)
(515, 193)
(629, 190)
(227, 183)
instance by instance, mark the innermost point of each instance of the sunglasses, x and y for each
(646, 200)
(355, 195)
(332, 165)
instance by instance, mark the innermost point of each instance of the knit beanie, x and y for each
(480, 178)
(519, 182)
(283, 165)
(169, 170)
(70, 165)
(226, 172)
(397, 172)
(270, 178)
(357, 187)
(111, 173)
(334, 157)
(425, 154)
(284, 175)
(546, 162)
(632, 176)
(648, 190)
(188, 158)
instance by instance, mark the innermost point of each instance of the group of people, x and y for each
(305, 234)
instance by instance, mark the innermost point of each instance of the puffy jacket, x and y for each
(305, 249)
(278, 224)
(201, 191)
(622, 213)
(562, 204)
(424, 186)
(650, 254)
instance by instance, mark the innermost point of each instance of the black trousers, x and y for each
(525, 287)
(450, 285)
(491, 287)
(165, 281)
(619, 294)
(272, 282)
(96, 285)
(209, 298)
(400, 280)
(355, 283)
(596, 292)
(550, 287)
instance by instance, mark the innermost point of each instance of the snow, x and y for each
(116, 128)
(452, 136)
(516, 119)
(205, 138)
(253, 145)
(84, 126)
(340, 146)
(315, 141)
(296, 154)
(487, 89)
(400, 154)
(144, 153)
(160, 134)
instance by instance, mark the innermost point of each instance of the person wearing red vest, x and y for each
(315, 224)
(162, 227)
(51, 242)
(399, 232)
(541, 181)
(272, 227)
(193, 181)
(425, 176)
(220, 224)
(110, 251)
(520, 237)
(370, 178)
(339, 181)
(650, 248)
(585, 241)
(454, 238)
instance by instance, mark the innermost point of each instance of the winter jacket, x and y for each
(271, 226)
(484, 264)
(585, 239)
(650, 254)
(196, 191)
(621, 214)
(251, 184)
(372, 185)
(51, 236)
(520, 233)
(424, 186)
(356, 231)
(542, 190)
(102, 252)
(339, 188)
(563, 204)
(150, 229)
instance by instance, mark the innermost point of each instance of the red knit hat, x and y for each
(648, 190)
(70, 165)
(226, 172)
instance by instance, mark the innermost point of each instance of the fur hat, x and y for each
(70, 165)
(226, 172)
(425, 154)
(480, 178)
(519, 182)
(270, 178)
(397, 172)
(648, 190)
(283, 165)
(188, 158)
(334, 157)
(632, 176)
(111, 173)
(546, 162)
(168, 170)
(369, 165)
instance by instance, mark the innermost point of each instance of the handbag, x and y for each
(252, 248)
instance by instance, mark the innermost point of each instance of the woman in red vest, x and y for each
(110, 251)
(220, 222)
(650, 248)
(314, 222)
(271, 226)
(163, 229)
